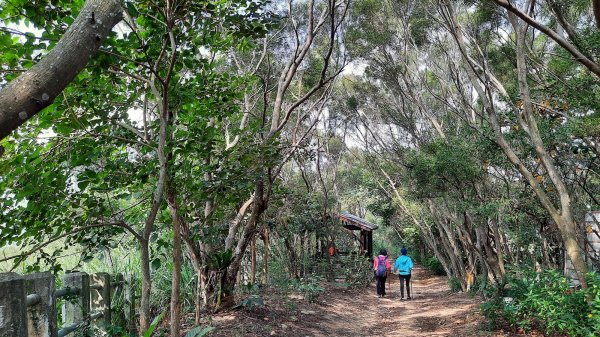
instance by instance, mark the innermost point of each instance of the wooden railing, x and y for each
(28, 305)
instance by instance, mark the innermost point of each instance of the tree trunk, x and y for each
(266, 258)
(37, 88)
(258, 208)
(499, 247)
(176, 277)
(253, 261)
(145, 318)
(146, 286)
(596, 7)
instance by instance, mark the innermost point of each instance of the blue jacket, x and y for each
(404, 265)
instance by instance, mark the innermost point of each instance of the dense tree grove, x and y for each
(209, 145)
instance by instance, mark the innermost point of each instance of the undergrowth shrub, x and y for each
(357, 271)
(310, 287)
(351, 271)
(279, 276)
(545, 301)
(434, 265)
(454, 285)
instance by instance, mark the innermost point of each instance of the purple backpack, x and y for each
(381, 267)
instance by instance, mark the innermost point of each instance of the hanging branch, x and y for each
(37, 88)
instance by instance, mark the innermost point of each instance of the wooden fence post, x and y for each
(41, 305)
(100, 302)
(13, 306)
(129, 306)
(77, 311)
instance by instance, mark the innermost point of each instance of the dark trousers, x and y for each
(380, 285)
(404, 278)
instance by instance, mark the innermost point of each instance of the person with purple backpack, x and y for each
(381, 265)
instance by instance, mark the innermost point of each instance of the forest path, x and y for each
(433, 311)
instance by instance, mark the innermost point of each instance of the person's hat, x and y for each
(403, 250)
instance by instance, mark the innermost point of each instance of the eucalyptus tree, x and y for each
(310, 45)
(424, 102)
(488, 86)
(398, 103)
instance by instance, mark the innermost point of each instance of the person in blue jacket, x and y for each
(404, 266)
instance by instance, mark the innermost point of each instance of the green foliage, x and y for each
(357, 271)
(421, 24)
(199, 331)
(434, 265)
(221, 260)
(454, 284)
(162, 283)
(546, 302)
(310, 287)
(155, 322)
(442, 166)
(71, 168)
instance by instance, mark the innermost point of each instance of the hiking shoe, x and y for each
(409, 298)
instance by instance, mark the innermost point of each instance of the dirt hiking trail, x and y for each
(433, 311)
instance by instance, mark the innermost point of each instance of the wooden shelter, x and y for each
(352, 223)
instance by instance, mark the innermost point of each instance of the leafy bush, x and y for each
(546, 302)
(310, 288)
(454, 284)
(434, 265)
(357, 271)
(199, 331)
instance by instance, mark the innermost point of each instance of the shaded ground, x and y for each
(434, 311)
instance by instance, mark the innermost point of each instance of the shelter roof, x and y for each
(353, 222)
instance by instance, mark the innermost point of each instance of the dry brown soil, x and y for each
(433, 311)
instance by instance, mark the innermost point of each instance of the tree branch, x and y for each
(37, 88)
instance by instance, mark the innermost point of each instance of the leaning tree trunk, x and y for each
(249, 232)
(37, 88)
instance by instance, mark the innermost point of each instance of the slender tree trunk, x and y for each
(253, 261)
(177, 259)
(146, 285)
(198, 301)
(157, 199)
(499, 247)
(266, 258)
(258, 208)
